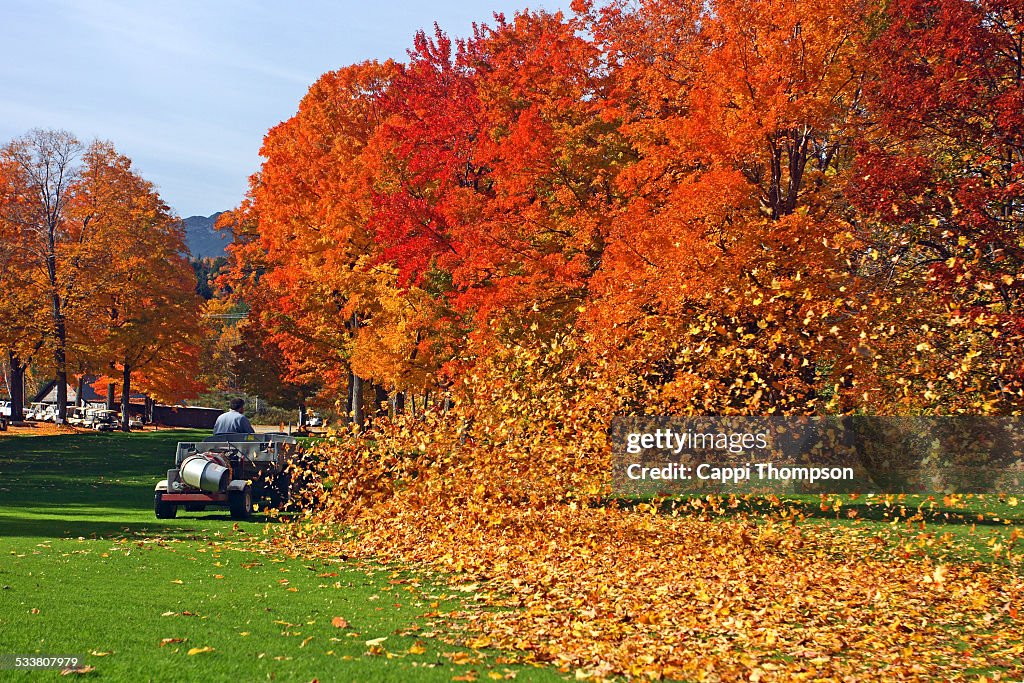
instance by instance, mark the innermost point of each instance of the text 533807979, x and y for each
(28, 662)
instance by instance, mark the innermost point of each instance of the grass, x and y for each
(86, 569)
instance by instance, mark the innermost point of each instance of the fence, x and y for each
(180, 416)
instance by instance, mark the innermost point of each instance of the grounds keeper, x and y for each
(233, 421)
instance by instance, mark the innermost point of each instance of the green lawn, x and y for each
(87, 570)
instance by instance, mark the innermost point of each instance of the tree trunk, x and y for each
(302, 415)
(357, 400)
(80, 392)
(110, 396)
(399, 402)
(348, 400)
(355, 383)
(60, 335)
(17, 388)
(380, 400)
(126, 392)
(62, 396)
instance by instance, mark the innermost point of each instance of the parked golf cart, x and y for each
(232, 470)
(77, 416)
(41, 412)
(102, 420)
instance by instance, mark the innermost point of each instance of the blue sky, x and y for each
(188, 88)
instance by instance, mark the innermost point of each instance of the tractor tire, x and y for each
(240, 503)
(164, 510)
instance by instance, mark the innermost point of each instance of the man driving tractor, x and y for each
(234, 420)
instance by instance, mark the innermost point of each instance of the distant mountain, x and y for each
(202, 239)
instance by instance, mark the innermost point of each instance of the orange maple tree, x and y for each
(95, 266)
(660, 207)
(144, 319)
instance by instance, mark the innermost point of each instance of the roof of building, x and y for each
(48, 394)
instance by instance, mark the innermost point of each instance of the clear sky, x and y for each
(188, 88)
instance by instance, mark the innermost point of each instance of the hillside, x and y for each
(201, 237)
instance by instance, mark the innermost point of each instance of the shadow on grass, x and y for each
(68, 494)
(32, 527)
(93, 452)
(51, 485)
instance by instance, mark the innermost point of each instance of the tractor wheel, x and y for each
(241, 503)
(164, 510)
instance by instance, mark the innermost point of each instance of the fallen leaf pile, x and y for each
(605, 592)
(598, 590)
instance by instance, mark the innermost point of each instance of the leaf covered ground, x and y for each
(837, 589)
(605, 592)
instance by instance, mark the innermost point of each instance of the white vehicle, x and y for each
(102, 420)
(78, 417)
(232, 470)
(87, 417)
(41, 412)
(5, 408)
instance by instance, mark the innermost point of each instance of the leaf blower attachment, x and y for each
(206, 472)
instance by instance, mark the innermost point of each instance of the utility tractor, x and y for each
(233, 470)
